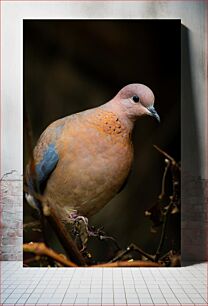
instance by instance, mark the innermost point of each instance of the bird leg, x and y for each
(79, 229)
(82, 230)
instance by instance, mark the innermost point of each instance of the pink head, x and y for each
(134, 101)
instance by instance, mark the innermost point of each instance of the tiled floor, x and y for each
(88, 286)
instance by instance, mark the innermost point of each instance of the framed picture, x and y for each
(105, 183)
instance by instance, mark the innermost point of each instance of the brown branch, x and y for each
(126, 263)
(64, 237)
(130, 248)
(42, 250)
(60, 230)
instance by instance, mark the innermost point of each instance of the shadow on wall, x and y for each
(193, 238)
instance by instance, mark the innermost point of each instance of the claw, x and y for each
(83, 231)
(80, 228)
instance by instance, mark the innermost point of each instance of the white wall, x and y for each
(193, 94)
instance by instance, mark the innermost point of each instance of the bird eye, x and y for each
(135, 99)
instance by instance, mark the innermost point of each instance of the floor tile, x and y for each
(138, 286)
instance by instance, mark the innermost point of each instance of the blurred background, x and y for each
(73, 65)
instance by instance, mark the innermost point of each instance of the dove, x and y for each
(81, 161)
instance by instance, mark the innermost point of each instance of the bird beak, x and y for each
(153, 113)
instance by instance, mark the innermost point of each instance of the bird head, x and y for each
(136, 100)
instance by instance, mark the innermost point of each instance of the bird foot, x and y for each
(80, 229)
(74, 218)
(83, 231)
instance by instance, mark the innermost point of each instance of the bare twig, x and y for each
(163, 179)
(162, 237)
(42, 249)
(165, 154)
(130, 248)
(145, 254)
(7, 173)
(174, 166)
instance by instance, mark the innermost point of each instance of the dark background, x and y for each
(70, 66)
